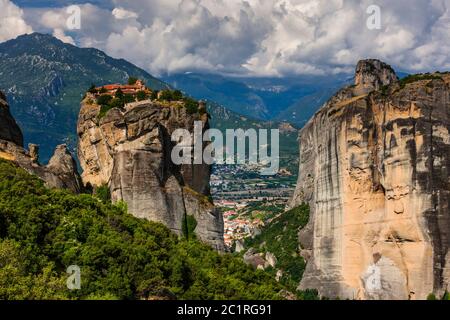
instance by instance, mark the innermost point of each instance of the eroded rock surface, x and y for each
(374, 167)
(130, 151)
(60, 173)
(9, 130)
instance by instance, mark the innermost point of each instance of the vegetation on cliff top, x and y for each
(418, 77)
(387, 89)
(108, 102)
(191, 105)
(43, 231)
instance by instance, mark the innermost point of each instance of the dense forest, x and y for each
(43, 232)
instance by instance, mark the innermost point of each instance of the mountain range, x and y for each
(288, 99)
(44, 80)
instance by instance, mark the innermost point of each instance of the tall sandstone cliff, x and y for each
(130, 151)
(374, 168)
(61, 172)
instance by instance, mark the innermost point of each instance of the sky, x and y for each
(273, 38)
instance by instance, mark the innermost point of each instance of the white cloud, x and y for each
(53, 19)
(12, 23)
(59, 34)
(262, 37)
(187, 35)
(121, 13)
(280, 37)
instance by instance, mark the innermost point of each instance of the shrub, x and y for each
(104, 99)
(418, 77)
(132, 80)
(92, 89)
(177, 95)
(119, 94)
(431, 296)
(166, 95)
(141, 95)
(154, 95)
(103, 193)
(115, 103)
(128, 98)
(189, 225)
(309, 294)
(191, 105)
(103, 111)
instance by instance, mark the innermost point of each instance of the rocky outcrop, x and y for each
(61, 172)
(64, 167)
(372, 75)
(130, 151)
(260, 260)
(374, 168)
(9, 130)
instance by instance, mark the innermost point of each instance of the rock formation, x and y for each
(61, 172)
(130, 151)
(374, 168)
(9, 130)
(64, 166)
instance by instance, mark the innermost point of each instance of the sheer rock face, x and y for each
(130, 151)
(374, 167)
(60, 173)
(9, 130)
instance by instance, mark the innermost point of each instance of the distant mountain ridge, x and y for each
(291, 99)
(44, 80)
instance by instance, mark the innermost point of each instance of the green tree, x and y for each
(103, 193)
(431, 296)
(119, 94)
(115, 103)
(128, 98)
(141, 95)
(154, 95)
(104, 99)
(189, 225)
(43, 231)
(132, 80)
(177, 95)
(191, 105)
(92, 89)
(166, 95)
